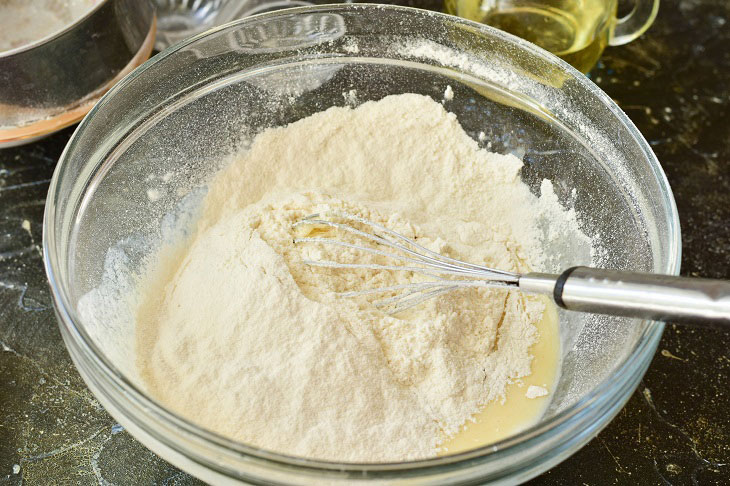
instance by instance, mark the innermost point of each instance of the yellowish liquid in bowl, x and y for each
(499, 420)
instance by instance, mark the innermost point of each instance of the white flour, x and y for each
(234, 333)
(536, 391)
(25, 21)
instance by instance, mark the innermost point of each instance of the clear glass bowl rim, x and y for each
(600, 395)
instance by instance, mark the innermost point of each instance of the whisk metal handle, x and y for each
(702, 302)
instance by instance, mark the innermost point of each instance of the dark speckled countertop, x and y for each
(674, 83)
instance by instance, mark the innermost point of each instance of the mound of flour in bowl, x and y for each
(234, 333)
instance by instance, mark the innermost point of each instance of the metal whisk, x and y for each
(649, 296)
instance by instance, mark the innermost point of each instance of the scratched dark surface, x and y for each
(674, 83)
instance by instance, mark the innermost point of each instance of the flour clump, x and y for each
(234, 333)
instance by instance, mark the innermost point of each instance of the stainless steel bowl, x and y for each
(54, 81)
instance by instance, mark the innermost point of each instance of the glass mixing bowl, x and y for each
(150, 145)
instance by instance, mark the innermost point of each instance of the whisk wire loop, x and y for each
(416, 258)
(704, 302)
(422, 259)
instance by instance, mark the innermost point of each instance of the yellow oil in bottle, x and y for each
(575, 30)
